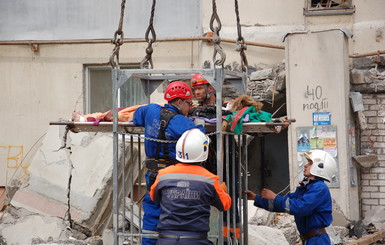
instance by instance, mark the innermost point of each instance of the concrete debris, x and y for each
(263, 75)
(22, 229)
(357, 229)
(265, 235)
(376, 217)
(267, 84)
(69, 187)
(366, 161)
(339, 218)
(286, 224)
(341, 234)
(368, 81)
(276, 221)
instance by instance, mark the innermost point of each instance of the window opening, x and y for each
(329, 7)
(99, 90)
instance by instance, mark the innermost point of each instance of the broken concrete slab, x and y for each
(375, 216)
(258, 216)
(25, 228)
(74, 180)
(279, 221)
(264, 235)
(3, 195)
(366, 161)
(263, 74)
(339, 218)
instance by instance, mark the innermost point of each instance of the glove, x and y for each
(199, 121)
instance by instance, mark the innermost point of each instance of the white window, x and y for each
(328, 7)
(98, 89)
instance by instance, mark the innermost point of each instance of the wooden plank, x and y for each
(128, 127)
(369, 239)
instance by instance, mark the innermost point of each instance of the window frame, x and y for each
(87, 83)
(311, 11)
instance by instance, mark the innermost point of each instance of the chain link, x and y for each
(118, 38)
(216, 39)
(241, 45)
(166, 141)
(150, 30)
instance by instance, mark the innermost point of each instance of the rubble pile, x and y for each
(268, 84)
(68, 196)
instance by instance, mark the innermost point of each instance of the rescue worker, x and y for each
(162, 123)
(206, 96)
(203, 90)
(311, 203)
(185, 192)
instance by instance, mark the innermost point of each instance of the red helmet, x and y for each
(178, 89)
(197, 79)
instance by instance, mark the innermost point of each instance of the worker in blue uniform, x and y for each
(162, 128)
(311, 203)
(185, 192)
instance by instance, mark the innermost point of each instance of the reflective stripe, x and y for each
(186, 177)
(237, 232)
(270, 205)
(149, 231)
(287, 208)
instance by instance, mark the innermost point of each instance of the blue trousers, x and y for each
(151, 215)
(322, 239)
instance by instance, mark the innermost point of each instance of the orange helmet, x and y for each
(197, 79)
(178, 89)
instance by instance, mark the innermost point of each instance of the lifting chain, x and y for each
(150, 41)
(118, 39)
(241, 45)
(166, 141)
(216, 39)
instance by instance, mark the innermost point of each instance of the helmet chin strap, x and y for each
(208, 95)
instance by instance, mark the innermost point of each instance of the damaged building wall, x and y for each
(53, 81)
(368, 78)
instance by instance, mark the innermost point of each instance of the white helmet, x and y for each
(192, 146)
(323, 166)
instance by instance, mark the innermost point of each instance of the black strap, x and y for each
(165, 117)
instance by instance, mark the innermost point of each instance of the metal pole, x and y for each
(131, 178)
(228, 223)
(115, 217)
(233, 188)
(218, 79)
(243, 197)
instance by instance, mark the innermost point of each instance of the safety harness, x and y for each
(154, 164)
(165, 117)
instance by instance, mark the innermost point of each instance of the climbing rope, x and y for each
(241, 45)
(148, 58)
(118, 39)
(216, 39)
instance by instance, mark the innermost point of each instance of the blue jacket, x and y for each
(148, 116)
(311, 205)
(185, 193)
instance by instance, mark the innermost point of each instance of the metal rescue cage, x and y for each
(128, 169)
(151, 79)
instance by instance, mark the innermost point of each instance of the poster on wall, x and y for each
(320, 137)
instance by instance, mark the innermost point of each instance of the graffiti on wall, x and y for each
(12, 158)
(318, 100)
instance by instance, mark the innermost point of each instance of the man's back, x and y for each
(185, 193)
